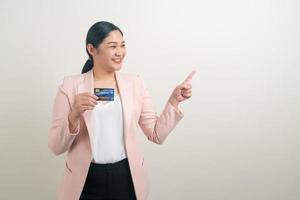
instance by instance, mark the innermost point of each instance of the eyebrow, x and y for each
(115, 42)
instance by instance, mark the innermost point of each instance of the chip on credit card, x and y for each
(104, 94)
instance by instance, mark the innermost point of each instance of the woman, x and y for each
(104, 160)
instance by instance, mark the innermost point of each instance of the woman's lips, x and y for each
(117, 60)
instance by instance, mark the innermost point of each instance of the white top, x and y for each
(108, 139)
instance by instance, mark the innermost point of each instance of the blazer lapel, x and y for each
(125, 95)
(126, 90)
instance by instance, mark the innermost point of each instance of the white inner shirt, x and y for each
(108, 138)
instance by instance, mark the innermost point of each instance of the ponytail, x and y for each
(87, 66)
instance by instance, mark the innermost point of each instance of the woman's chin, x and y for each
(117, 66)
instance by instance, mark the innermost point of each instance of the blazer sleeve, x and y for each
(60, 138)
(155, 127)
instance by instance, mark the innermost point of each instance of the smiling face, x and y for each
(110, 53)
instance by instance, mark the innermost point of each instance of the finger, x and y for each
(88, 102)
(186, 91)
(190, 76)
(187, 86)
(89, 97)
(83, 93)
(93, 100)
(87, 107)
(91, 103)
(187, 95)
(93, 96)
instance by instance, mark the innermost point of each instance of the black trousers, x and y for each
(109, 181)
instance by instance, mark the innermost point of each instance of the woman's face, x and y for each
(111, 52)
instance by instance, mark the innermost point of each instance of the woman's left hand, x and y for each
(183, 91)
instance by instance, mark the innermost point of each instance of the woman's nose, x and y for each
(118, 53)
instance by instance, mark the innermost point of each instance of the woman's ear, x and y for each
(90, 49)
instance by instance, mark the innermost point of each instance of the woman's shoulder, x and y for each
(69, 81)
(74, 77)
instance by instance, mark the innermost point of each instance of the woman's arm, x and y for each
(64, 126)
(157, 128)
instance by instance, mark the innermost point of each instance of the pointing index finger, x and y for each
(190, 76)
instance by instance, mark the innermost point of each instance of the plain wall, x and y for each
(239, 138)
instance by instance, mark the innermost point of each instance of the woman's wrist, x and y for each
(173, 102)
(73, 121)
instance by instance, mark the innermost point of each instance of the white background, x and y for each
(239, 138)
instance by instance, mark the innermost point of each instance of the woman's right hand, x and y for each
(83, 101)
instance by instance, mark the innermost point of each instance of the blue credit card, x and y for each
(104, 94)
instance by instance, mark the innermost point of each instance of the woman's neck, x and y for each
(103, 75)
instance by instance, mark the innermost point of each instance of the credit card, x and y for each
(104, 94)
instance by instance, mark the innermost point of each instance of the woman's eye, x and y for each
(116, 46)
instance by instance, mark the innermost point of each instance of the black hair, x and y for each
(95, 35)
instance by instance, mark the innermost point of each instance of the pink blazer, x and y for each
(138, 112)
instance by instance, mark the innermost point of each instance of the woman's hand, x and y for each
(83, 101)
(183, 91)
